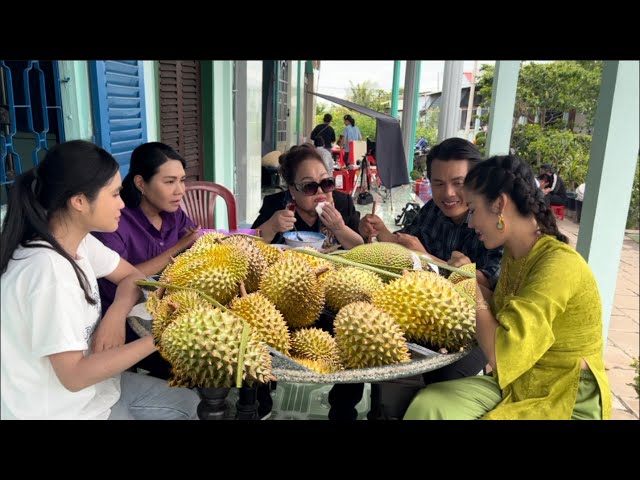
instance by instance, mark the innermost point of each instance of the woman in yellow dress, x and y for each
(542, 328)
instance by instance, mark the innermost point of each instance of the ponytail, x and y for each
(43, 192)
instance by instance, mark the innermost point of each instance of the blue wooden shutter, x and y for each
(118, 107)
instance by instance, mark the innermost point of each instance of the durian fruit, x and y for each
(314, 262)
(203, 346)
(316, 350)
(318, 366)
(256, 261)
(292, 286)
(270, 254)
(215, 270)
(348, 285)
(265, 318)
(171, 306)
(468, 289)
(427, 308)
(368, 337)
(387, 256)
(206, 240)
(456, 277)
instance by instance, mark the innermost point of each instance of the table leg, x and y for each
(247, 404)
(213, 404)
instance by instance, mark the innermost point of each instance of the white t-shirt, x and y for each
(44, 311)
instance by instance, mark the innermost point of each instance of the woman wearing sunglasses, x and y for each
(309, 184)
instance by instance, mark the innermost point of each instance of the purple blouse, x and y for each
(137, 241)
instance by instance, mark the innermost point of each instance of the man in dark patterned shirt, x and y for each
(441, 231)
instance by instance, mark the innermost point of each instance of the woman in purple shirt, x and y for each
(153, 228)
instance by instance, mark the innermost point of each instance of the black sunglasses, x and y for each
(310, 188)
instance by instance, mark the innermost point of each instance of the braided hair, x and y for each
(511, 175)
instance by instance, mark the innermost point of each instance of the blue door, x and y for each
(117, 89)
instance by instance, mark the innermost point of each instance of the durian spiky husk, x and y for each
(314, 262)
(382, 253)
(455, 277)
(467, 287)
(270, 254)
(318, 346)
(317, 366)
(387, 256)
(368, 337)
(256, 261)
(203, 346)
(206, 240)
(292, 286)
(215, 270)
(427, 308)
(171, 306)
(348, 285)
(269, 323)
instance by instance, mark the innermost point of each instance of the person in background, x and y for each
(556, 193)
(153, 228)
(323, 135)
(60, 358)
(544, 181)
(542, 328)
(349, 134)
(422, 144)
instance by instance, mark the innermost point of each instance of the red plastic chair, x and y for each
(199, 203)
(558, 211)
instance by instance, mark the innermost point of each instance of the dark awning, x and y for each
(390, 155)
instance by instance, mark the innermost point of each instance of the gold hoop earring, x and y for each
(500, 222)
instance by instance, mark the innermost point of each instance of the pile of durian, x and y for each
(226, 298)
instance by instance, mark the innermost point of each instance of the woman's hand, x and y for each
(282, 221)
(190, 236)
(331, 218)
(109, 334)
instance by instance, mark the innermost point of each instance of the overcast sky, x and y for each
(335, 75)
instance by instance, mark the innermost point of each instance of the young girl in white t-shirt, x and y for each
(59, 359)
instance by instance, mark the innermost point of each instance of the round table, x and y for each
(284, 369)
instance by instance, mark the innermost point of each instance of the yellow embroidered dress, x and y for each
(548, 307)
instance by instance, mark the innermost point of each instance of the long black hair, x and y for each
(42, 193)
(511, 175)
(146, 159)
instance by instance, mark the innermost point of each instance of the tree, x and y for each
(367, 95)
(547, 90)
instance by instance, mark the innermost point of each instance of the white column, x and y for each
(614, 150)
(248, 121)
(449, 120)
(408, 107)
(503, 101)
